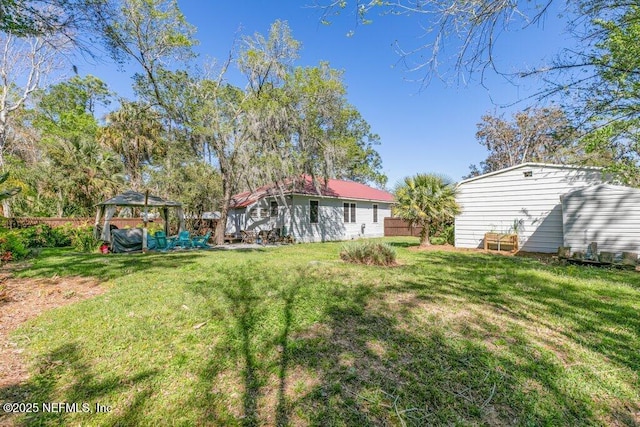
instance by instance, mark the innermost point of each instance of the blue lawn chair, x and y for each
(201, 241)
(184, 240)
(161, 240)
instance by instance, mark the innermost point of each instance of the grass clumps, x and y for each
(369, 253)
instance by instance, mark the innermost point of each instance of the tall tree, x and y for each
(534, 135)
(285, 122)
(24, 63)
(154, 34)
(71, 19)
(610, 106)
(81, 171)
(134, 132)
(424, 200)
(330, 137)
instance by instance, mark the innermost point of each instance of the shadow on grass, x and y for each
(374, 370)
(80, 385)
(338, 345)
(104, 267)
(244, 250)
(244, 346)
(371, 361)
(289, 297)
(403, 244)
(549, 296)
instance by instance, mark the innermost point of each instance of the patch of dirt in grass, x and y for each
(24, 299)
(445, 248)
(281, 394)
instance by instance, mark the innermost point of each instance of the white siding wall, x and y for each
(260, 222)
(331, 225)
(495, 202)
(235, 221)
(606, 214)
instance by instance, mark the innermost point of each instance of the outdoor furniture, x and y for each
(273, 236)
(248, 236)
(126, 240)
(501, 240)
(171, 242)
(263, 236)
(231, 238)
(161, 240)
(183, 240)
(283, 237)
(201, 241)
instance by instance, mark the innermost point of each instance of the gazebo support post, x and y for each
(165, 211)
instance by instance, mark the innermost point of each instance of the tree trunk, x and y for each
(60, 203)
(6, 208)
(424, 236)
(221, 226)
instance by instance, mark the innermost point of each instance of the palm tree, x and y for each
(425, 199)
(134, 133)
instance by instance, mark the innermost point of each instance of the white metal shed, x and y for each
(606, 214)
(525, 197)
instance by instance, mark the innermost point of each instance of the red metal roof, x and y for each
(336, 188)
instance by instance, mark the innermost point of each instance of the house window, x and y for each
(259, 213)
(274, 208)
(349, 212)
(313, 211)
(375, 213)
(528, 174)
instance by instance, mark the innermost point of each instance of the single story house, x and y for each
(522, 199)
(605, 214)
(312, 211)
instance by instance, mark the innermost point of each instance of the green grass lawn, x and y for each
(293, 336)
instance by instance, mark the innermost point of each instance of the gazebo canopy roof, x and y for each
(133, 198)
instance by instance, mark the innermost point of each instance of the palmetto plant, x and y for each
(10, 192)
(425, 199)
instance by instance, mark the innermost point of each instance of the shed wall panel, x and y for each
(608, 215)
(508, 201)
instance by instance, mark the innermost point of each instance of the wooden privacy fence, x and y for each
(75, 222)
(399, 227)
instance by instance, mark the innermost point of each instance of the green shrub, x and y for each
(44, 236)
(61, 236)
(13, 246)
(82, 239)
(449, 234)
(438, 240)
(369, 253)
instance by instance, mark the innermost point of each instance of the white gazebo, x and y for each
(107, 209)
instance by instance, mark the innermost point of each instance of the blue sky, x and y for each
(422, 129)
